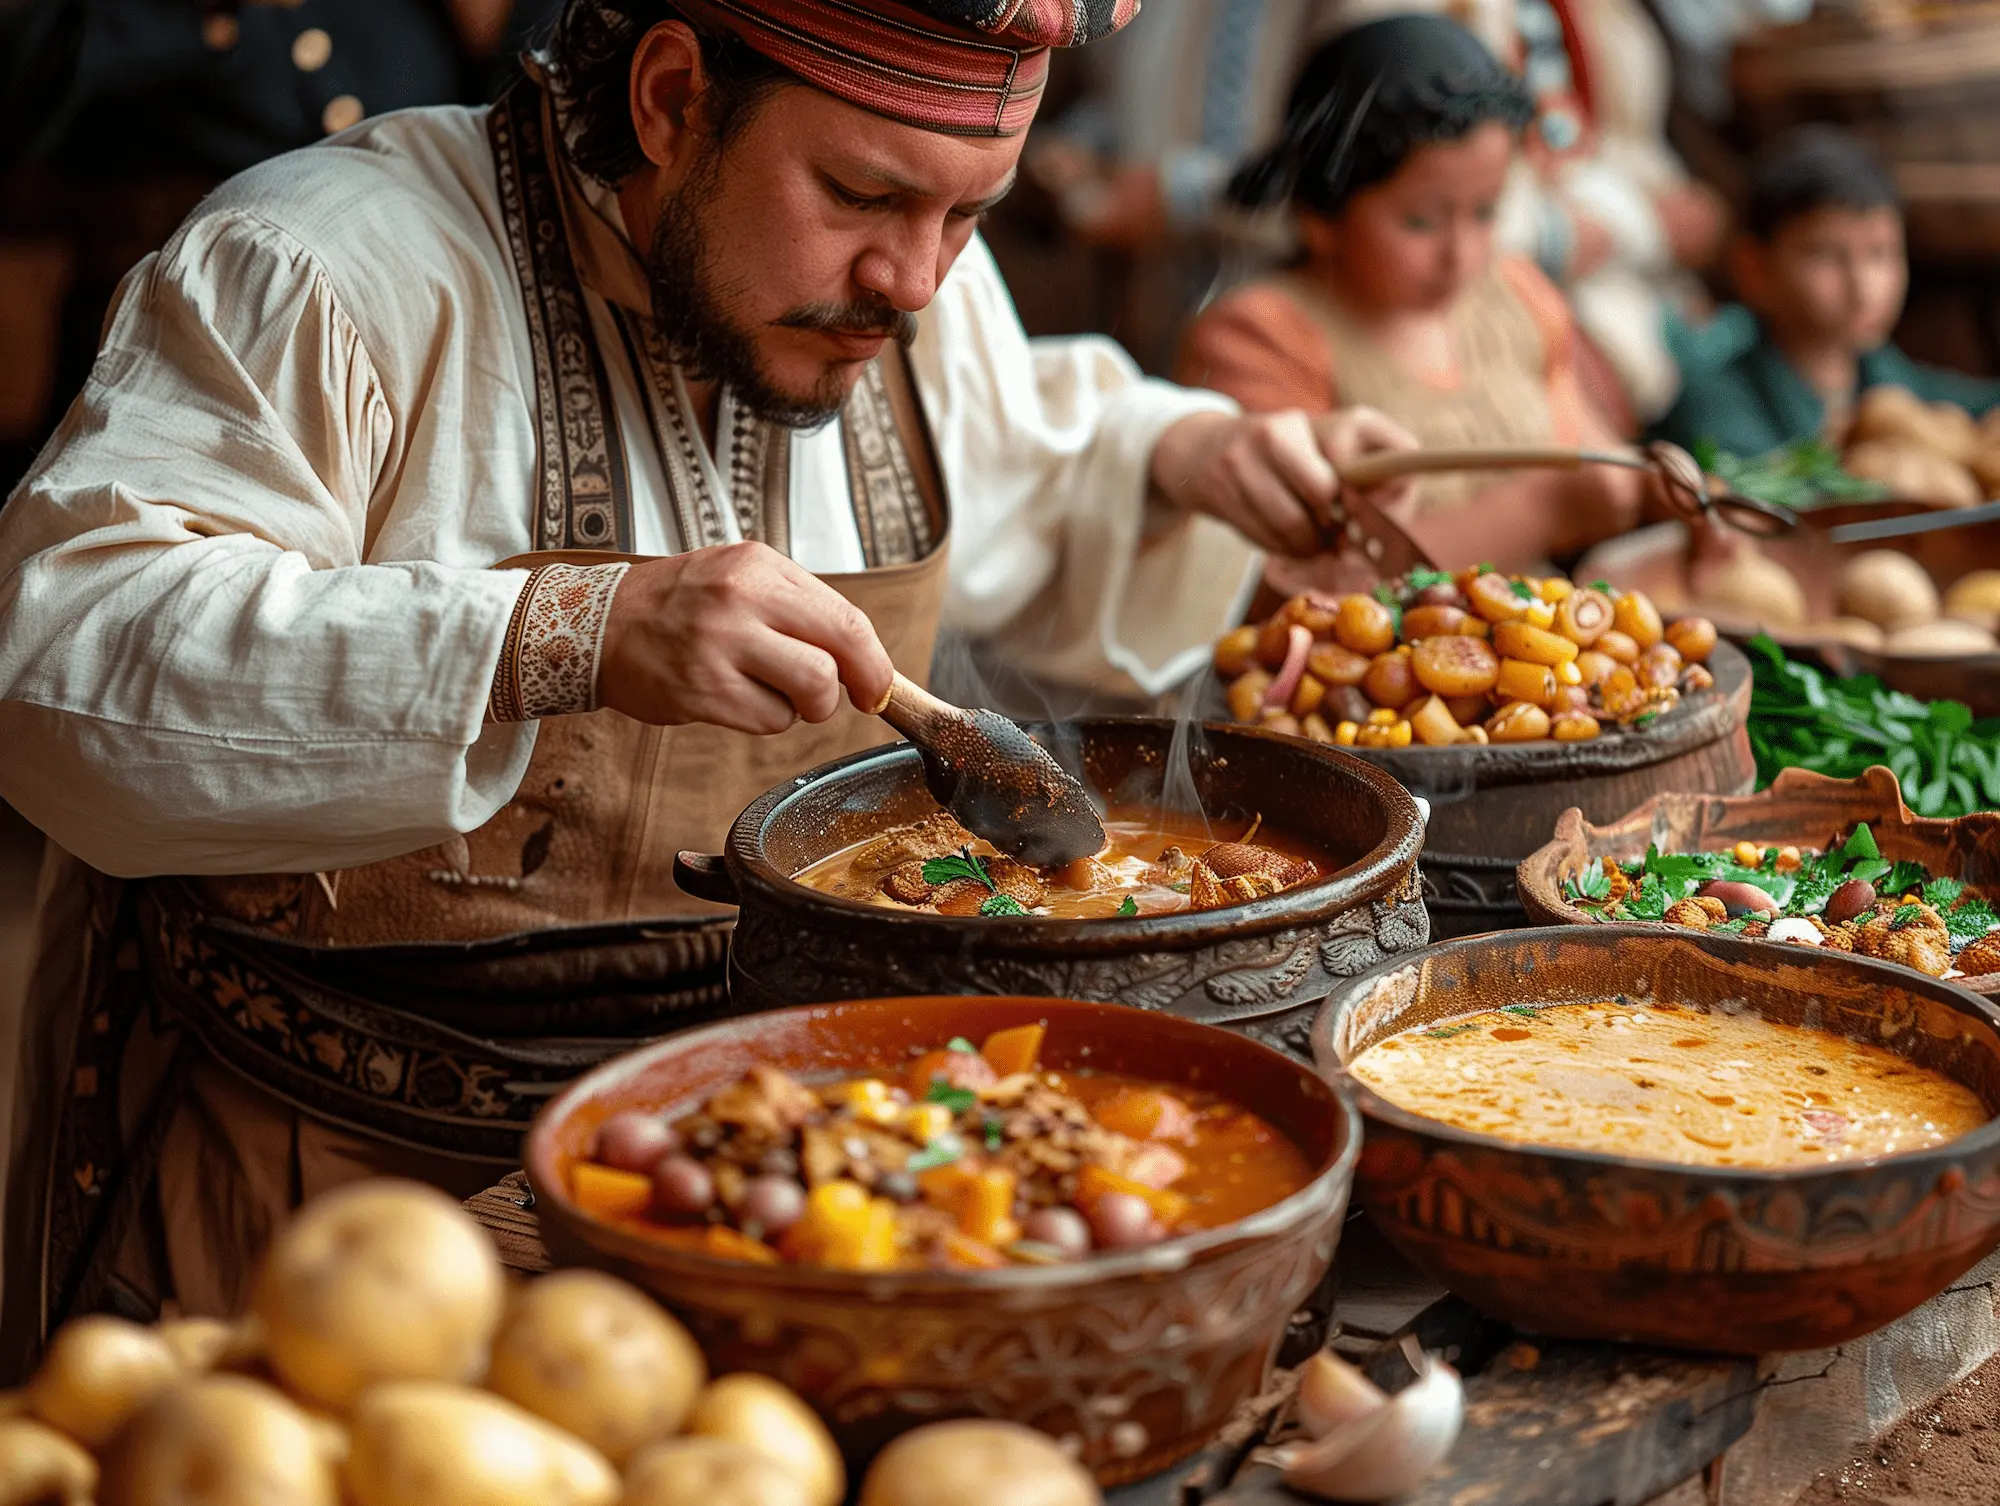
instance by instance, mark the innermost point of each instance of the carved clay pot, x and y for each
(1800, 808)
(1589, 1245)
(1137, 1358)
(1259, 967)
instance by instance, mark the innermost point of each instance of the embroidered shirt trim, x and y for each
(555, 640)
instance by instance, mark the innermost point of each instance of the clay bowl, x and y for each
(1139, 1357)
(1588, 1245)
(1260, 967)
(1655, 560)
(1492, 806)
(1801, 808)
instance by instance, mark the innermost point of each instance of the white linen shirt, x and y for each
(248, 619)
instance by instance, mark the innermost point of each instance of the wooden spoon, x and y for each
(997, 782)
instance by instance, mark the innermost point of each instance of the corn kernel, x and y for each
(869, 1099)
(1541, 614)
(1344, 734)
(926, 1121)
(1554, 589)
(835, 1197)
(1399, 735)
(1569, 674)
(1748, 854)
(1381, 716)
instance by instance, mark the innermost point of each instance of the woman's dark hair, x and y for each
(1813, 167)
(1368, 99)
(587, 60)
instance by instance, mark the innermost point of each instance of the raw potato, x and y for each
(756, 1410)
(1943, 639)
(991, 1463)
(380, 1280)
(1889, 589)
(40, 1467)
(1975, 596)
(419, 1443)
(205, 1344)
(1751, 588)
(709, 1472)
(223, 1440)
(600, 1358)
(1914, 473)
(1896, 414)
(98, 1371)
(1855, 632)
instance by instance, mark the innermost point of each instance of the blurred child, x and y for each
(1821, 269)
(1398, 140)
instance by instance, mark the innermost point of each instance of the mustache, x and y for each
(878, 318)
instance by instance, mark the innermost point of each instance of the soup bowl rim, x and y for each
(1321, 1193)
(1370, 876)
(1373, 1105)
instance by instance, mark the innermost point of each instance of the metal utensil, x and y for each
(997, 782)
(1912, 523)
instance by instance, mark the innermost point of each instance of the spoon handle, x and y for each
(914, 711)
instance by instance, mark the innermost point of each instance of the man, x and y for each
(1822, 271)
(469, 512)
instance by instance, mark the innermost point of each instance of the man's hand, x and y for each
(738, 636)
(1272, 477)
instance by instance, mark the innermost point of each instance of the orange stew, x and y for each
(960, 1158)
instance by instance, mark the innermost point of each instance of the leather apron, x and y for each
(244, 1043)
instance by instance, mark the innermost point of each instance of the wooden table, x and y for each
(1557, 1423)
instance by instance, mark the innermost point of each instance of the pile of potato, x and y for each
(1924, 452)
(386, 1361)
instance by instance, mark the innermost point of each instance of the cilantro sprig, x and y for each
(958, 1100)
(963, 864)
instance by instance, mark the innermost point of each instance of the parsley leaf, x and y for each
(1521, 1011)
(939, 1150)
(1906, 915)
(1732, 927)
(1002, 904)
(1860, 844)
(1942, 893)
(1128, 906)
(1594, 882)
(1904, 877)
(963, 864)
(958, 1100)
(993, 1136)
(1521, 589)
(1647, 902)
(1601, 585)
(1971, 920)
(1419, 580)
(960, 1043)
(1448, 1031)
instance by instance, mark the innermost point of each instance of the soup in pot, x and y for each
(1153, 863)
(1668, 1084)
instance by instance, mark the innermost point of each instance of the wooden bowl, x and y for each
(1800, 808)
(1491, 806)
(1139, 1357)
(1590, 1245)
(1261, 967)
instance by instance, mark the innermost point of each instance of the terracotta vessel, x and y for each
(1261, 967)
(1800, 808)
(1139, 1357)
(1492, 806)
(1589, 1245)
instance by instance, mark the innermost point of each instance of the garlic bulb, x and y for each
(1378, 1450)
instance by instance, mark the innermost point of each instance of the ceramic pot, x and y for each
(1589, 1245)
(1260, 967)
(1137, 1358)
(1800, 808)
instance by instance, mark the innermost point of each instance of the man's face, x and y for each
(1834, 276)
(791, 251)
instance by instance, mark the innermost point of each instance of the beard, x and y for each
(711, 345)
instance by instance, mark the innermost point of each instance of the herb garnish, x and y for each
(961, 1044)
(1521, 1011)
(1521, 589)
(1002, 904)
(958, 1100)
(939, 1150)
(1905, 916)
(1594, 882)
(963, 864)
(1128, 906)
(1420, 580)
(992, 1132)
(1446, 1032)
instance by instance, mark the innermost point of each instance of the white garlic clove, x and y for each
(1385, 1452)
(1332, 1393)
(1792, 929)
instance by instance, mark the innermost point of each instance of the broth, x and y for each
(1146, 868)
(1667, 1084)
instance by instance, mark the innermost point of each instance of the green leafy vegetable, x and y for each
(1860, 844)
(963, 864)
(1947, 763)
(1942, 893)
(1601, 585)
(960, 1043)
(1648, 901)
(1970, 921)
(1734, 927)
(1798, 476)
(1521, 589)
(1521, 1011)
(1905, 877)
(1002, 904)
(1905, 916)
(1448, 1031)
(1593, 882)
(1128, 906)
(992, 1135)
(1418, 580)
(939, 1150)
(958, 1100)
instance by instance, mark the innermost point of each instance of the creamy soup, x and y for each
(1152, 864)
(1669, 1084)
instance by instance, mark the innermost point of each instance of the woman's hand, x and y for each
(1273, 477)
(739, 636)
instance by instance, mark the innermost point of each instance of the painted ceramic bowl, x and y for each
(1590, 1245)
(1800, 808)
(1261, 967)
(1137, 1358)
